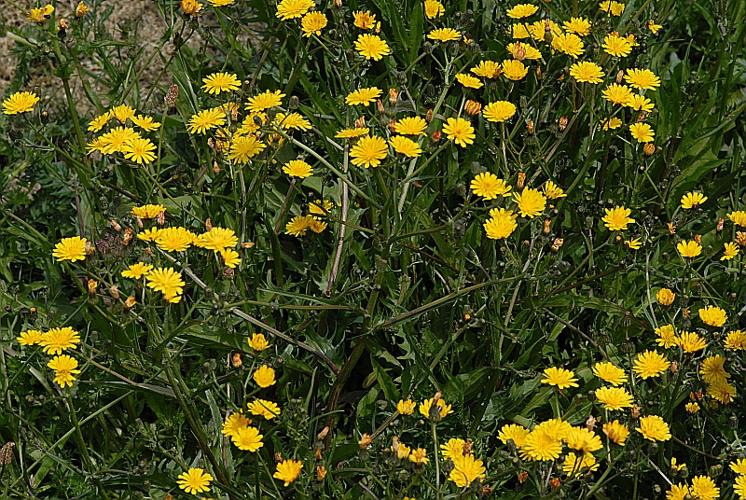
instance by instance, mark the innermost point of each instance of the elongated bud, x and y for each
(236, 360)
(472, 108)
(547, 226)
(521, 181)
(393, 96)
(92, 287)
(208, 224)
(115, 225)
(360, 122)
(379, 106)
(530, 128)
(563, 123)
(130, 302)
(649, 149)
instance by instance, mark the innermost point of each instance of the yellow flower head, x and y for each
(167, 281)
(57, 340)
(247, 439)
(264, 376)
(587, 72)
(691, 342)
(501, 224)
(552, 191)
(288, 471)
(469, 81)
(515, 433)
(264, 408)
(258, 342)
(531, 202)
(405, 146)
(438, 409)
(372, 47)
(568, 43)
(364, 19)
(174, 239)
(559, 377)
(610, 373)
(689, 249)
(616, 431)
(444, 35)
(194, 481)
(20, 102)
(665, 296)
(522, 10)
(487, 69)
(466, 470)
(433, 8)
(612, 8)
(730, 250)
(642, 79)
(220, 82)
(513, 69)
(692, 199)
(137, 270)
(65, 369)
(735, 341)
(30, 337)
(712, 316)
(369, 151)
(617, 218)
(363, 96)
(614, 398)
(650, 364)
(411, 125)
(234, 423)
(653, 428)
(575, 464)
(293, 9)
(206, 120)
(405, 407)
(460, 131)
(617, 94)
(266, 100)
(139, 150)
(499, 111)
(312, 23)
(72, 249)
(489, 186)
(617, 46)
(578, 25)
(642, 132)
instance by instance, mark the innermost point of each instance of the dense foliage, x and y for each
(376, 249)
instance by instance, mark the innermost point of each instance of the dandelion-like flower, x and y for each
(217, 239)
(137, 270)
(531, 202)
(499, 111)
(642, 132)
(411, 125)
(57, 340)
(459, 131)
(489, 186)
(264, 408)
(293, 9)
(65, 369)
(642, 79)
(258, 342)
(369, 151)
(689, 249)
(288, 471)
(266, 100)
(650, 364)
(30, 337)
(234, 423)
(444, 35)
(501, 224)
(264, 376)
(220, 82)
(312, 23)
(174, 239)
(559, 377)
(247, 439)
(654, 428)
(243, 148)
(513, 69)
(614, 398)
(20, 102)
(617, 218)
(363, 96)
(139, 150)
(206, 120)
(587, 72)
(406, 407)
(617, 46)
(616, 431)
(610, 373)
(372, 47)
(72, 249)
(466, 470)
(167, 281)
(194, 481)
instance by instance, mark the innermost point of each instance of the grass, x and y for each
(403, 295)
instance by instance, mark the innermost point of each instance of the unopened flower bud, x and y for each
(649, 149)
(320, 472)
(563, 123)
(530, 127)
(472, 108)
(521, 182)
(81, 10)
(547, 226)
(92, 287)
(114, 291)
(364, 441)
(393, 96)
(236, 360)
(720, 224)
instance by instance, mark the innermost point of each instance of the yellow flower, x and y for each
(633, 244)
(439, 409)
(642, 79)
(487, 69)
(411, 125)
(642, 132)
(234, 423)
(312, 23)
(20, 102)
(678, 491)
(452, 448)
(522, 10)
(530, 202)
(369, 151)
(738, 218)
(691, 342)
(650, 364)
(149, 234)
(666, 336)
(735, 340)
(617, 94)
(288, 471)
(174, 239)
(298, 168)
(364, 19)
(612, 8)
(612, 123)
(469, 81)
(515, 433)
(243, 148)
(148, 211)
(264, 376)
(665, 296)
(65, 369)
(617, 218)
(542, 444)
(146, 123)
(587, 72)
(220, 82)
(405, 407)
(582, 439)
(578, 25)
(352, 133)
(419, 456)
(117, 139)
(712, 316)
(739, 466)
(653, 27)
(40, 14)
(320, 208)
(703, 488)
(217, 239)
(206, 120)
(617, 46)
(139, 150)
(722, 392)
(258, 342)
(466, 470)
(568, 43)
(640, 103)
(488, 186)
(444, 35)
(363, 96)
(298, 225)
(459, 131)
(290, 121)
(501, 224)
(191, 7)
(30, 337)
(614, 398)
(514, 70)
(616, 431)
(98, 123)
(266, 100)
(194, 481)
(137, 271)
(574, 464)
(523, 51)
(653, 428)
(264, 408)
(692, 199)
(72, 249)
(559, 377)
(405, 146)
(230, 258)
(609, 372)
(499, 111)
(220, 3)
(713, 369)
(247, 439)
(689, 249)
(730, 251)
(122, 112)
(167, 281)
(372, 47)
(552, 191)
(433, 8)
(293, 9)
